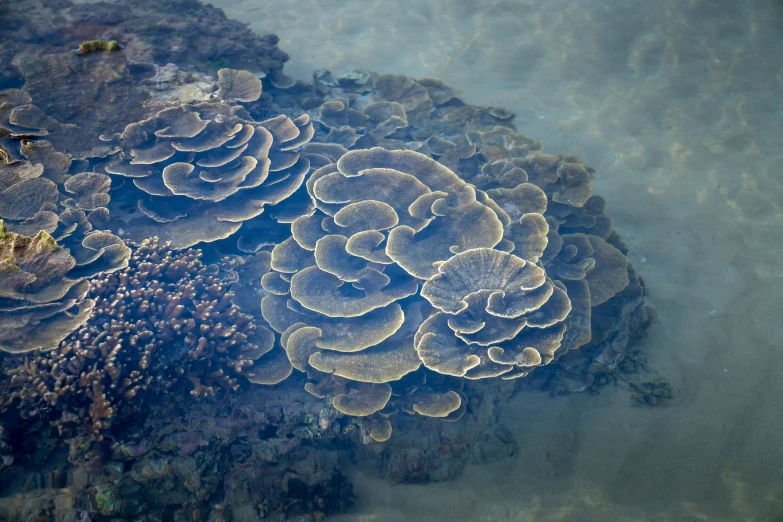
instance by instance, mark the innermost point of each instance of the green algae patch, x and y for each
(95, 46)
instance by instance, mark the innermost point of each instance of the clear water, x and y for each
(677, 104)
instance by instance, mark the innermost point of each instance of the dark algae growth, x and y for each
(216, 285)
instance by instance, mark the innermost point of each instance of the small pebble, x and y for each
(643, 260)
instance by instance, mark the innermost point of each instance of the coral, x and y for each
(396, 279)
(50, 244)
(238, 85)
(416, 259)
(165, 319)
(20, 120)
(341, 291)
(95, 94)
(200, 170)
(384, 221)
(498, 314)
(95, 46)
(40, 304)
(32, 200)
(189, 33)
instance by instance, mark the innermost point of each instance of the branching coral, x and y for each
(165, 319)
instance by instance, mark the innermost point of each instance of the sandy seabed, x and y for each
(677, 103)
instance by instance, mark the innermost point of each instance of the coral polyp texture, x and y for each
(197, 171)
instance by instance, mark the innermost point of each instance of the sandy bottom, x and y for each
(677, 103)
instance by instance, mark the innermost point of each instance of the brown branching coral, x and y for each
(165, 319)
(200, 170)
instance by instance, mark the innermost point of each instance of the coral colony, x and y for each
(209, 279)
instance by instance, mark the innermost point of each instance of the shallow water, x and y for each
(678, 106)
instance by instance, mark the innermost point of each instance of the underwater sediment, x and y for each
(219, 284)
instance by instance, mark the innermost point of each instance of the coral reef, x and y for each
(51, 243)
(191, 34)
(386, 298)
(39, 304)
(402, 264)
(383, 219)
(20, 120)
(242, 457)
(164, 319)
(341, 270)
(54, 48)
(201, 169)
(416, 260)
